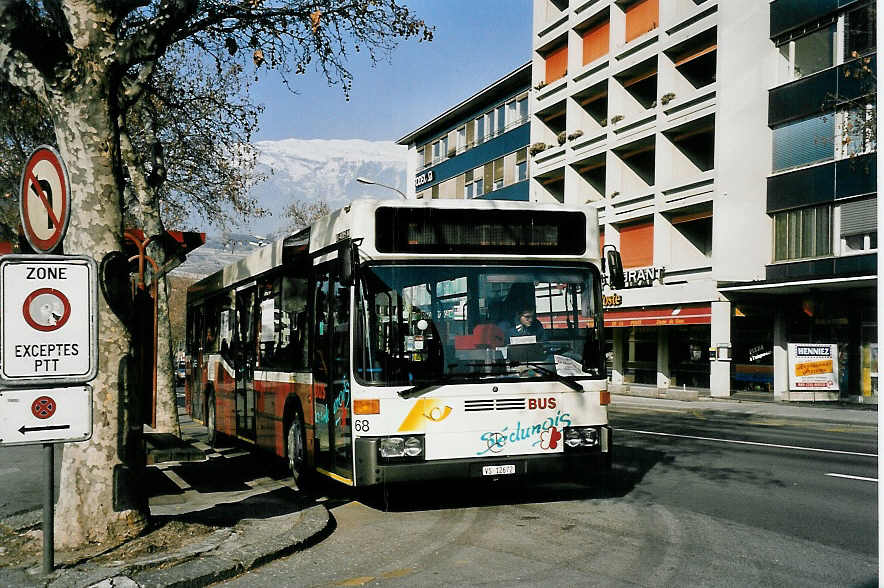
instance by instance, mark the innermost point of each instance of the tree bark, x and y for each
(99, 500)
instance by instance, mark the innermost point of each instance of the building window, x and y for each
(809, 54)
(595, 42)
(556, 63)
(803, 233)
(522, 165)
(461, 139)
(804, 142)
(859, 226)
(480, 129)
(641, 18)
(856, 131)
(437, 155)
(860, 35)
(637, 244)
(498, 174)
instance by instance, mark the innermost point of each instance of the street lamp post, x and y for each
(362, 180)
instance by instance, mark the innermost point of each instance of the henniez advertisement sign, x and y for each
(813, 366)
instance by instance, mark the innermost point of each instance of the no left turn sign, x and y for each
(45, 199)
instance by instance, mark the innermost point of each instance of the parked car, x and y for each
(180, 373)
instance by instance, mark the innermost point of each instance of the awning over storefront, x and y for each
(660, 316)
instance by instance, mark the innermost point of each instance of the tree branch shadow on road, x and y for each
(630, 466)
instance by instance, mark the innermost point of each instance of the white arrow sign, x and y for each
(47, 415)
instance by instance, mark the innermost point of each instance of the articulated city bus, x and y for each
(411, 340)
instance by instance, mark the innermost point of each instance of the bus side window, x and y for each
(296, 334)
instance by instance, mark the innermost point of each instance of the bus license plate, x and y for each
(498, 470)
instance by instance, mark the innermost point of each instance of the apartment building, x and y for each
(477, 148)
(820, 283)
(697, 129)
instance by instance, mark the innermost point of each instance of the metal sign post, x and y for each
(48, 330)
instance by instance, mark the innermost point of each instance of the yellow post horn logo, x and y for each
(425, 409)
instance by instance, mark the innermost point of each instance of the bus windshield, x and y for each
(424, 324)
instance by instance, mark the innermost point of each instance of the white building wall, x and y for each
(734, 189)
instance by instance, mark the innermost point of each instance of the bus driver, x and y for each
(528, 325)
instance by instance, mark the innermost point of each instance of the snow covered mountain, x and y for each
(303, 170)
(309, 170)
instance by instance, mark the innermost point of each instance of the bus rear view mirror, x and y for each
(616, 279)
(349, 257)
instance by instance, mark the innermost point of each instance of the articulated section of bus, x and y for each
(467, 370)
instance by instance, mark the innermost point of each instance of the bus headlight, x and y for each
(409, 447)
(413, 447)
(581, 437)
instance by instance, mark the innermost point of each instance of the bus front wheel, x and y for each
(296, 450)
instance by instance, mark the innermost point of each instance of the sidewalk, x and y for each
(248, 516)
(864, 414)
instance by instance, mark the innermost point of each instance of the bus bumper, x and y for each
(370, 470)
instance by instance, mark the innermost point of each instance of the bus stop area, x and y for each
(233, 511)
(216, 513)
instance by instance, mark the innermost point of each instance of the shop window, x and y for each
(556, 63)
(803, 233)
(641, 18)
(595, 42)
(804, 142)
(637, 244)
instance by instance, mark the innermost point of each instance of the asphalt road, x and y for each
(696, 498)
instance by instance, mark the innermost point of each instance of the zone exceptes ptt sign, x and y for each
(48, 333)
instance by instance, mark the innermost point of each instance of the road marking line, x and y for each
(854, 477)
(756, 443)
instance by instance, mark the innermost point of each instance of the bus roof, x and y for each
(356, 221)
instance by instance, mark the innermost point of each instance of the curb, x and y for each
(226, 553)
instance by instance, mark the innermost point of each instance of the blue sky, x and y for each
(476, 42)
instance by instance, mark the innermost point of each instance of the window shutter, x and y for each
(859, 217)
(637, 244)
(556, 63)
(595, 42)
(498, 169)
(804, 141)
(641, 17)
(488, 179)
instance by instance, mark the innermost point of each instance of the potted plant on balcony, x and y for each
(537, 148)
(561, 137)
(576, 134)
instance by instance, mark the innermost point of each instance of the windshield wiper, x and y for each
(569, 383)
(425, 387)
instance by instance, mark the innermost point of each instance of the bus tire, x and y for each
(210, 419)
(296, 452)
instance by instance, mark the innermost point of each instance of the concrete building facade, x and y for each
(697, 129)
(477, 148)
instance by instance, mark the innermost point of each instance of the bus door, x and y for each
(331, 378)
(245, 354)
(195, 342)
